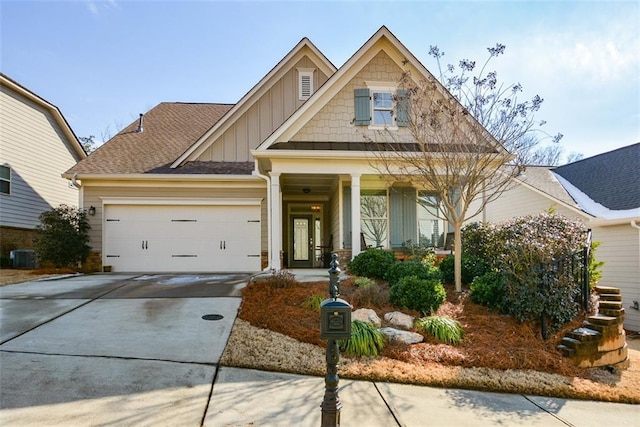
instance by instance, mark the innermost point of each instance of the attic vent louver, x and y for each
(305, 83)
(140, 129)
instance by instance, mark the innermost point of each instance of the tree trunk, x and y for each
(457, 248)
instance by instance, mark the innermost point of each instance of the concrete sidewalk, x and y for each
(124, 350)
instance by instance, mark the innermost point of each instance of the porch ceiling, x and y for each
(316, 184)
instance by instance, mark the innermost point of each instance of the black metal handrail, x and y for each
(573, 267)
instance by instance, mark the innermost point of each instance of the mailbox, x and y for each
(335, 319)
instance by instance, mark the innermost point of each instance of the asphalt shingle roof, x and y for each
(611, 179)
(169, 129)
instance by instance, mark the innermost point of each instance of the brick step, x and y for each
(610, 297)
(606, 331)
(584, 334)
(607, 290)
(600, 319)
(566, 351)
(569, 342)
(617, 313)
(610, 305)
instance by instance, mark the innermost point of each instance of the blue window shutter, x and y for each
(346, 226)
(362, 100)
(402, 108)
(402, 216)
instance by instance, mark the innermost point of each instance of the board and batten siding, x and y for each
(37, 151)
(94, 195)
(263, 117)
(620, 251)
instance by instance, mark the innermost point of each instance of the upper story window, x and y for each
(381, 106)
(305, 83)
(5, 179)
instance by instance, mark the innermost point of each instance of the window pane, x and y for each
(431, 229)
(382, 117)
(374, 224)
(5, 187)
(382, 100)
(5, 172)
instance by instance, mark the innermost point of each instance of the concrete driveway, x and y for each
(124, 350)
(113, 349)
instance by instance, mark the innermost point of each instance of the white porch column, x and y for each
(355, 215)
(276, 221)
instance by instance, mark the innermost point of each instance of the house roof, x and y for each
(611, 179)
(304, 47)
(168, 130)
(541, 178)
(55, 112)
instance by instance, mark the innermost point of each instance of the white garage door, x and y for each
(160, 238)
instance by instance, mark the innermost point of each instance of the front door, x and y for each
(302, 241)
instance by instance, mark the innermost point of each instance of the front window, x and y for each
(5, 179)
(382, 108)
(374, 219)
(431, 229)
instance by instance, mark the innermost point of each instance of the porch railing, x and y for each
(572, 269)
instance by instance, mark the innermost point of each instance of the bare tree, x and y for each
(466, 139)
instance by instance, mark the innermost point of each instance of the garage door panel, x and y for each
(182, 238)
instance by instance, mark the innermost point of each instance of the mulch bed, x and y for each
(491, 340)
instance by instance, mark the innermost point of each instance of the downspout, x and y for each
(634, 224)
(257, 173)
(74, 180)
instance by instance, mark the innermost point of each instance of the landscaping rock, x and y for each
(399, 320)
(404, 337)
(366, 315)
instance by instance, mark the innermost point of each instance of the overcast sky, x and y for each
(104, 62)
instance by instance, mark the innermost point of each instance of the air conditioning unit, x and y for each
(24, 258)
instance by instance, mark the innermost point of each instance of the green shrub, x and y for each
(413, 267)
(443, 328)
(519, 248)
(423, 295)
(5, 262)
(366, 340)
(472, 267)
(313, 302)
(372, 263)
(63, 236)
(489, 290)
(363, 282)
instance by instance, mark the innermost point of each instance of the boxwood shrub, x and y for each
(423, 295)
(372, 263)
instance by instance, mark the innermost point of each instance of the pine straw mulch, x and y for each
(10, 276)
(275, 332)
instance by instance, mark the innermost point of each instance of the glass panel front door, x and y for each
(302, 242)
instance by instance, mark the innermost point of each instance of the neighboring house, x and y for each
(36, 147)
(603, 191)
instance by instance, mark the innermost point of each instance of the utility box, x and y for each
(335, 319)
(24, 258)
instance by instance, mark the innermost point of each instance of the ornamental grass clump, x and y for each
(313, 302)
(366, 340)
(443, 328)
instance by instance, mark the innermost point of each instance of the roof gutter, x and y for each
(160, 177)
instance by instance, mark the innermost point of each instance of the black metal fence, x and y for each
(570, 270)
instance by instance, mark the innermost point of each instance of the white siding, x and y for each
(37, 151)
(520, 200)
(620, 251)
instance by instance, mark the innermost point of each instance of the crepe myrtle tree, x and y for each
(467, 136)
